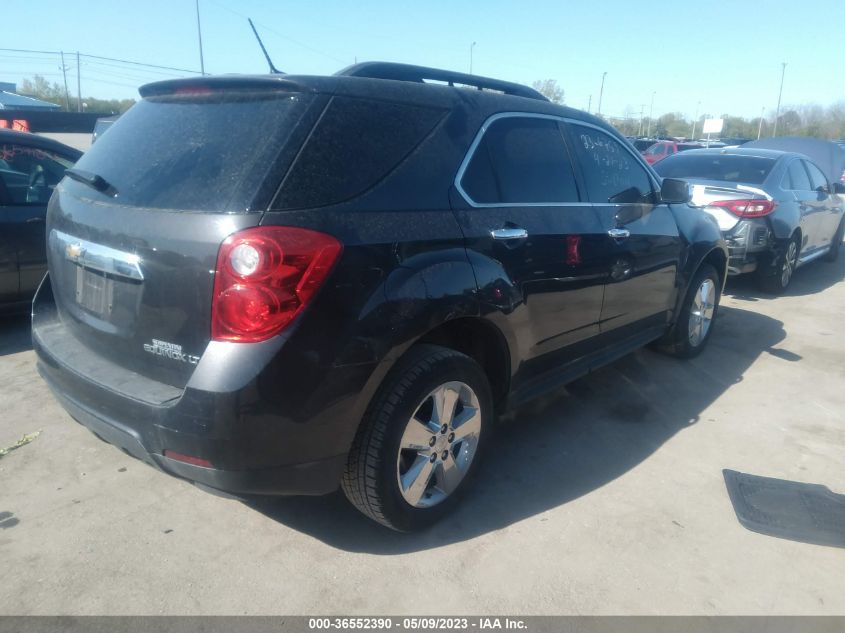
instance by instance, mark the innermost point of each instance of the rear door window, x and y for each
(195, 152)
(612, 174)
(796, 177)
(521, 160)
(817, 178)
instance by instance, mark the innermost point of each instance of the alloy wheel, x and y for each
(701, 313)
(789, 263)
(439, 444)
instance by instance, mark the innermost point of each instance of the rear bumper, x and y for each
(265, 426)
(311, 478)
(749, 246)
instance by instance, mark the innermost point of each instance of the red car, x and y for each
(662, 149)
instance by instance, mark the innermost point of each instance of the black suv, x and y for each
(282, 284)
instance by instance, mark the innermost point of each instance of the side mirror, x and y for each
(838, 188)
(674, 191)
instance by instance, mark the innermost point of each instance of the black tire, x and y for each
(678, 341)
(371, 479)
(833, 254)
(775, 278)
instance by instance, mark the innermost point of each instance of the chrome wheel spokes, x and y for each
(701, 312)
(438, 444)
(789, 263)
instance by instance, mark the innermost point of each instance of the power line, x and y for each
(101, 57)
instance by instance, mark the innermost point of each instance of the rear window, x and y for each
(751, 170)
(207, 152)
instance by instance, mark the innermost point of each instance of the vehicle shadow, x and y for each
(563, 446)
(15, 334)
(810, 279)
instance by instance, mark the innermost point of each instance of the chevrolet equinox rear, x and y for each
(280, 285)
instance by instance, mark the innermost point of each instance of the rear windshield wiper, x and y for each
(92, 180)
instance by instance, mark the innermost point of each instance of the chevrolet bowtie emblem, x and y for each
(74, 251)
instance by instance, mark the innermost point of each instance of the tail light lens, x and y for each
(746, 208)
(265, 277)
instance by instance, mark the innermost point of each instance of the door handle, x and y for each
(509, 234)
(34, 220)
(619, 234)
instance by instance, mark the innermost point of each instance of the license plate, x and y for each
(94, 291)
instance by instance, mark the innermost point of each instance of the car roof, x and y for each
(384, 80)
(42, 142)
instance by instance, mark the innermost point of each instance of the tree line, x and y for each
(42, 89)
(801, 120)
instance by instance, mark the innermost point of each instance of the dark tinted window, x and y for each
(194, 152)
(355, 144)
(521, 160)
(751, 170)
(796, 177)
(657, 149)
(28, 175)
(643, 145)
(816, 176)
(611, 172)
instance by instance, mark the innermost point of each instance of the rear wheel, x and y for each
(833, 254)
(775, 279)
(692, 330)
(420, 440)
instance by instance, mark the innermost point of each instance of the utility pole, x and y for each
(642, 112)
(199, 35)
(780, 94)
(589, 103)
(760, 127)
(601, 91)
(78, 85)
(695, 120)
(471, 46)
(64, 76)
(650, 114)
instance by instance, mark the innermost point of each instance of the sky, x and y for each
(712, 58)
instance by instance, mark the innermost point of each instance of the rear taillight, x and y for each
(265, 277)
(746, 208)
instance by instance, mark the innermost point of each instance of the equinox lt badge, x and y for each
(170, 350)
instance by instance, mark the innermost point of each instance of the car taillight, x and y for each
(746, 208)
(265, 277)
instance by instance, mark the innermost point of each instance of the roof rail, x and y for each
(419, 74)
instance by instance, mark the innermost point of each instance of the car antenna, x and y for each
(273, 69)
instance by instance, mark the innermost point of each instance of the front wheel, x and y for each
(692, 330)
(420, 440)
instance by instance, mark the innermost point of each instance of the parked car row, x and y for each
(777, 209)
(289, 284)
(30, 168)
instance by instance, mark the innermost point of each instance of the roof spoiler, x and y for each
(419, 74)
(200, 85)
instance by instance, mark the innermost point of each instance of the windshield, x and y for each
(751, 170)
(205, 152)
(657, 148)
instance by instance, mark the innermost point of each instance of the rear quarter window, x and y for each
(355, 144)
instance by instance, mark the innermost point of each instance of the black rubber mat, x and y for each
(809, 513)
